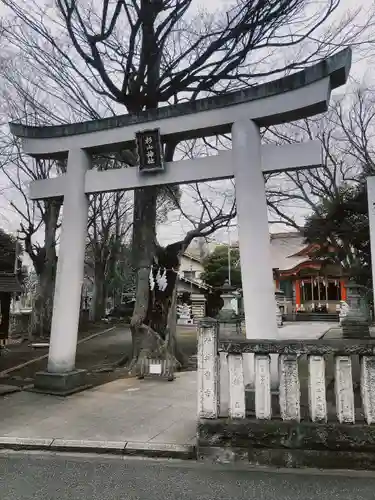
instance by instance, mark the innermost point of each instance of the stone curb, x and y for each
(8, 389)
(124, 448)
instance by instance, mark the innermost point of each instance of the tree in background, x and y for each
(346, 135)
(39, 218)
(142, 54)
(217, 272)
(108, 226)
(8, 248)
(341, 228)
(122, 277)
(216, 267)
(340, 222)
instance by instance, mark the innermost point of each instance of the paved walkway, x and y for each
(304, 330)
(335, 333)
(124, 410)
(143, 411)
(105, 346)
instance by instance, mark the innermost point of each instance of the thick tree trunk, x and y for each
(144, 239)
(154, 318)
(153, 323)
(41, 317)
(98, 302)
(5, 302)
(45, 262)
(152, 308)
(117, 297)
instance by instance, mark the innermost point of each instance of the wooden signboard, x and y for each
(150, 152)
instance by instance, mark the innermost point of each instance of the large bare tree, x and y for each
(335, 196)
(39, 224)
(139, 54)
(109, 223)
(346, 133)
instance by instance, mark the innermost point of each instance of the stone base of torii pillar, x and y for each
(61, 384)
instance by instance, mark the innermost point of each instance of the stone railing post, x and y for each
(345, 407)
(368, 387)
(289, 389)
(317, 389)
(237, 407)
(208, 369)
(232, 350)
(263, 402)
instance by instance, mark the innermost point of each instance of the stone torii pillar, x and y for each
(70, 266)
(243, 112)
(371, 217)
(254, 237)
(255, 249)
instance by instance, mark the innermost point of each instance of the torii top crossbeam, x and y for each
(299, 95)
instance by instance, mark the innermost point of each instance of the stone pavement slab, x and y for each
(304, 330)
(8, 389)
(290, 330)
(124, 410)
(335, 332)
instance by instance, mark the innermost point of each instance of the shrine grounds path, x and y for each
(98, 351)
(103, 345)
(68, 477)
(126, 413)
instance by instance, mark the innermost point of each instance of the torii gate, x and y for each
(294, 97)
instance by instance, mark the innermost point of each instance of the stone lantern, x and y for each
(356, 322)
(229, 295)
(279, 295)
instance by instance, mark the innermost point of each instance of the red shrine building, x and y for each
(310, 285)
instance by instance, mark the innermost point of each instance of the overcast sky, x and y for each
(175, 228)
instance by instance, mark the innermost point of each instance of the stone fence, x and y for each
(338, 433)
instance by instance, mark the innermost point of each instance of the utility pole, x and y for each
(229, 258)
(16, 254)
(15, 267)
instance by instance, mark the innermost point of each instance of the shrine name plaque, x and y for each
(150, 152)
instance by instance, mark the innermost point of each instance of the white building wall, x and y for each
(188, 265)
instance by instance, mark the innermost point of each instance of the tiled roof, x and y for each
(283, 248)
(192, 256)
(199, 284)
(9, 283)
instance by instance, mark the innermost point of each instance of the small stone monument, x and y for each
(184, 315)
(355, 324)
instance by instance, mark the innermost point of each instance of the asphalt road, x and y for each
(50, 477)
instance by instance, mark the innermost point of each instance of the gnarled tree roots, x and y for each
(149, 345)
